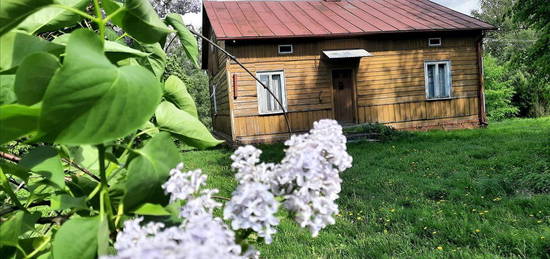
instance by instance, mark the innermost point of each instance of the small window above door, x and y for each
(434, 42)
(286, 49)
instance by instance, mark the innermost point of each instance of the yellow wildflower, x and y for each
(439, 248)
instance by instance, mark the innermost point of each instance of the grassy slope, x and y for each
(474, 193)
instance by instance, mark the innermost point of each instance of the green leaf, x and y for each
(5, 184)
(14, 169)
(7, 93)
(77, 238)
(151, 210)
(16, 46)
(85, 156)
(17, 120)
(33, 76)
(149, 170)
(184, 126)
(17, 225)
(53, 18)
(65, 201)
(138, 19)
(156, 62)
(13, 12)
(91, 101)
(46, 162)
(114, 50)
(176, 92)
(187, 39)
(150, 129)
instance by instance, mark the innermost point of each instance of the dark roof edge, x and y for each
(348, 35)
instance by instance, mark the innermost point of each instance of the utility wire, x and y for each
(251, 74)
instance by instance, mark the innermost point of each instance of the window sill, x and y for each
(440, 99)
(271, 113)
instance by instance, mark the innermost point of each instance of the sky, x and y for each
(463, 6)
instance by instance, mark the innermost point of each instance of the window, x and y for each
(275, 81)
(434, 42)
(438, 79)
(285, 49)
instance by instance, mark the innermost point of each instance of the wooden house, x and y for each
(409, 64)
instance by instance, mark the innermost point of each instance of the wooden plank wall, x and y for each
(390, 84)
(222, 119)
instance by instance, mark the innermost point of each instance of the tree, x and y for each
(511, 37)
(164, 7)
(521, 46)
(536, 14)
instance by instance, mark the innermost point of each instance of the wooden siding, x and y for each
(389, 85)
(222, 118)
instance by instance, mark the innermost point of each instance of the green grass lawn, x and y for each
(481, 193)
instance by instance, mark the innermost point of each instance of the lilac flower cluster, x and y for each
(307, 182)
(307, 179)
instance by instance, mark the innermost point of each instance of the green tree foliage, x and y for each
(195, 80)
(521, 45)
(536, 14)
(498, 90)
(98, 118)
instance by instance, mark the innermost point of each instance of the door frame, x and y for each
(353, 87)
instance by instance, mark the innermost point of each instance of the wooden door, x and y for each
(342, 85)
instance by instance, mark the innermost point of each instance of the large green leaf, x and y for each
(12, 12)
(115, 51)
(187, 39)
(176, 92)
(20, 223)
(53, 18)
(149, 170)
(138, 19)
(156, 62)
(33, 76)
(17, 120)
(46, 162)
(65, 201)
(16, 46)
(7, 93)
(184, 126)
(77, 238)
(91, 101)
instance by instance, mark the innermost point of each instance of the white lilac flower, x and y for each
(253, 206)
(307, 178)
(182, 184)
(203, 204)
(200, 237)
(312, 164)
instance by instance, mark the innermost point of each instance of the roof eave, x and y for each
(348, 35)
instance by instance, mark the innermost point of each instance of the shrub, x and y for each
(498, 90)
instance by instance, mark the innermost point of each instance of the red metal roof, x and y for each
(289, 19)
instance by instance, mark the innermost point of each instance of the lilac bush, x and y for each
(306, 182)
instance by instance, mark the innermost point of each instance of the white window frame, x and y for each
(434, 45)
(436, 82)
(213, 96)
(260, 89)
(285, 52)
